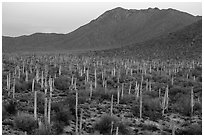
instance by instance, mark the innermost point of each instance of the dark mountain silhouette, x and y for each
(185, 43)
(113, 29)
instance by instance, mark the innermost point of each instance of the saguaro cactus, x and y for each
(141, 98)
(35, 100)
(165, 100)
(76, 112)
(118, 96)
(50, 101)
(95, 78)
(122, 92)
(111, 110)
(192, 101)
(14, 84)
(45, 106)
(91, 90)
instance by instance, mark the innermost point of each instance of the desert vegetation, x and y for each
(85, 94)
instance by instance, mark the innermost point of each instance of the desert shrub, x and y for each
(4, 113)
(40, 102)
(62, 83)
(58, 128)
(149, 127)
(23, 86)
(127, 99)
(135, 109)
(152, 94)
(197, 71)
(123, 129)
(101, 95)
(70, 100)
(188, 83)
(104, 125)
(42, 130)
(25, 122)
(200, 78)
(176, 92)
(193, 129)
(197, 107)
(151, 108)
(10, 107)
(182, 105)
(63, 115)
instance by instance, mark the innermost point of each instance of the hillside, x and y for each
(113, 29)
(185, 43)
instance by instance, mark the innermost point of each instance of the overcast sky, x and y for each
(28, 18)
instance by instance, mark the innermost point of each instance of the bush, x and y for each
(198, 108)
(10, 107)
(176, 92)
(182, 105)
(23, 86)
(194, 129)
(62, 113)
(151, 108)
(104, 125)
(40, 102)
(101, 95)
(127, 99)
(58, 127)
(63, 116)
(4, 113)
(62, 83)
(43, 130)
(25, 122)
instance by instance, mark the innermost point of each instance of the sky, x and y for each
(21, 18)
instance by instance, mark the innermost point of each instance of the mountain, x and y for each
(185, 43)
(113, 29)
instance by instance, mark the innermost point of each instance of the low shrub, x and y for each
(62, 83)
(25, 122)
(63, 115)
(10, 107)
(151, 107)
(101, 95)
(182, 105)
(42, 130)
(4, 113)
(198, 108)
(58, 128)
(176, 92)
(194, 129)
(127, 99)
(24, 86)
(104, 125)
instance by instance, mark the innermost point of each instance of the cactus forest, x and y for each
(73, 94)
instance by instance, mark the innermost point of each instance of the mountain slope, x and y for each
(113, 29)
(185, 43)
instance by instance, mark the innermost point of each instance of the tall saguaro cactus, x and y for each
(111, 110)
(95, 74)
(141, 98)
(14, 84)
(165, 100)
(45, 107)
(76, 112)
(192, 101)
(35, 99)
(50, 101)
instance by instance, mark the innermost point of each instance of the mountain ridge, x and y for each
(185, 43)
(113, 29)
